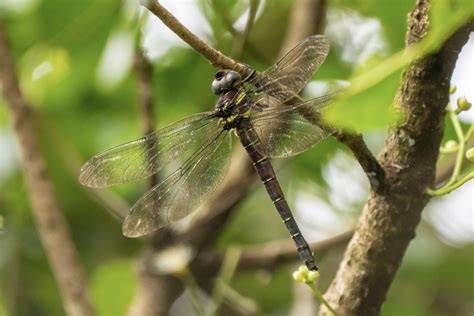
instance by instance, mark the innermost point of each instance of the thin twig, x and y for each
(51, 224)
(216, 58)
(243, 39)
(144, 73)
(227, 23)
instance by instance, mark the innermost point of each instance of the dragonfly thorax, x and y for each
(232, 107)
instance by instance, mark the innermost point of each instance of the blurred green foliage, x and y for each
(59, 46)
(112, 286)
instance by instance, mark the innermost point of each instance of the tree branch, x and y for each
(389, 219)
(366, 159)
(51, 225)
(269, 255)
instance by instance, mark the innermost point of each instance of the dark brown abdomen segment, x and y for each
(249, 139)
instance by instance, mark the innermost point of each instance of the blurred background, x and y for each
(75, 63)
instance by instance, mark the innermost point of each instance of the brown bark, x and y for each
(51, 224)
(389, 218)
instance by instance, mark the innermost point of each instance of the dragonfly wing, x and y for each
(285, 79)
(184, 190)
(145, 156)
(285, 131)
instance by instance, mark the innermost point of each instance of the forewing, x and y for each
(285, 79)
(285, 131)
(146, 156)
(183, 191)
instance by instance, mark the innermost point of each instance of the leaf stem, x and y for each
(469, 133)
(448, 189)
(451, 185)
(462, 146)
(228, 269)
(321, 298)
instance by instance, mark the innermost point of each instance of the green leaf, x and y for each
(112, 287)
(445, 17)
(3, 309)
(43, 67)
(367, 110)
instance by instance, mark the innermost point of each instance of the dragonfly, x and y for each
(270, 120)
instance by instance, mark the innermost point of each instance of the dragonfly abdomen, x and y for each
(249, 139)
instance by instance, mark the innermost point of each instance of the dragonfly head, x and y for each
(225, 80)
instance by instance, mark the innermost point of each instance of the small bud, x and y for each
(312, 276)
(470, 154)
(298, 276)
(173, 260)
(303, 270)
(450, 147)
(452, 89)
(463, 104)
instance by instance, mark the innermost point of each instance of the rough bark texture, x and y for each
(389, 218)
(51, 225)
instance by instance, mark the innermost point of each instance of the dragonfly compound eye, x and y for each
(216, 86)
(231, 79)
(220, 74)
(225, 80)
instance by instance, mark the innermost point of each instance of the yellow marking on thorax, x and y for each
(246, 114)
(240, 97)
(231, 118)
(226, 104)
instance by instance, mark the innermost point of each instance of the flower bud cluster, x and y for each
(304, 275)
